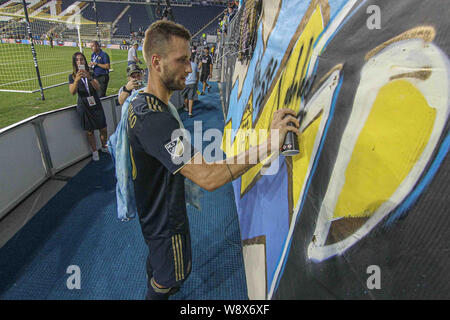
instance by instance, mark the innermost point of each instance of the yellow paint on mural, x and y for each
(302, 160)
(294, 72)
(392, 140)
(226, 140)
(243, 139)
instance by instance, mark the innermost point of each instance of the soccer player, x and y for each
(161, 159)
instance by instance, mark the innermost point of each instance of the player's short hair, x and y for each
(158, 36)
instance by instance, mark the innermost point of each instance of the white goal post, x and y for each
(36, 47)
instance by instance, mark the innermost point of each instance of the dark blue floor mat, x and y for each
(79, 227)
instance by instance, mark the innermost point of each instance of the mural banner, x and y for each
(361, 212)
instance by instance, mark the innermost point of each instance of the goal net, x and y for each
(54, 39)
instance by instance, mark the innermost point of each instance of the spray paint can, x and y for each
(290, 145)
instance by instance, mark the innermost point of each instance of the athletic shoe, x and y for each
(190, 115)
(209, 88)
(202, 93)
(95, 156)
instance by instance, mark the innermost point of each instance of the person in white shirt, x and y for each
(132, 54)
(191, 85)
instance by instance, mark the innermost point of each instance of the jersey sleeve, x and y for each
(71, 80)
(106, 57)
(161, 137)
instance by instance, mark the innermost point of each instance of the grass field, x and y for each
(17, 72)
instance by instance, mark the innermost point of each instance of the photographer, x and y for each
(135, 77)
(89, 106)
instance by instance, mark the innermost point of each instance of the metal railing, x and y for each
(227, 49)
(230, 47)
(36, 149)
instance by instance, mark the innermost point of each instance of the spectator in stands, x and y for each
(89, 106)
(167, 14)
(230, 13)
(132, 54)
(161, 161)
(134, 83)
(204, 39)
(50, 39)
(206, 67)
(100, 63)
(223, 23)
(191, 86)
(194, 52)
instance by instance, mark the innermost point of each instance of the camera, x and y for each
(139, 83)
(81, 67)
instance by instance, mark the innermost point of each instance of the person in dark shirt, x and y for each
(205, 66)
(100, 63)
(231, 13)
(162, 157)
(89, 106)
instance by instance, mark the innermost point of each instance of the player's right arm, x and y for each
(211, 176)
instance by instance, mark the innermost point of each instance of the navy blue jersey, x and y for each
(157, 156)
(103, 58)
(206, 62)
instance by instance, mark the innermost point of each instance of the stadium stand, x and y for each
(194, 15)
(139, 18)
(106, 12)
(65, 4)
(193, 18)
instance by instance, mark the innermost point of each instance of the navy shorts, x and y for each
(169, 261)
(204, 76)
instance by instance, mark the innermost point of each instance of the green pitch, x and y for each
(17, 72)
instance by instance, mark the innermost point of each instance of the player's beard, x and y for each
(169, 79)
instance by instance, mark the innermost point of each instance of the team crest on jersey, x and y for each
(175, 148)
